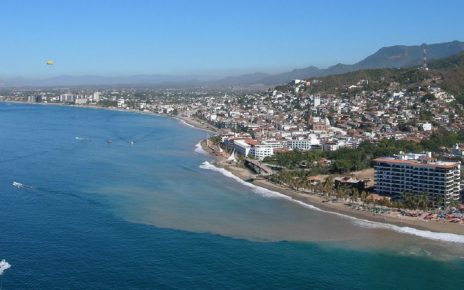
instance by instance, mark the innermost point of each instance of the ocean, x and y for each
(149, 210)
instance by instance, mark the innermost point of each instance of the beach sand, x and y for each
(393, 218)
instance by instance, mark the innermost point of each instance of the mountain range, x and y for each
(399, 56)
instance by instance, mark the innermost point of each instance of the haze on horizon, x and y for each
(207, 38)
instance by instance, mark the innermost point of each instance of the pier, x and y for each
(258, 167)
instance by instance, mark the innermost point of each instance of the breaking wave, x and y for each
(185, 123)
(257, 189)
(20, 185)
(447, 237)
(4, 265)
(199, 149)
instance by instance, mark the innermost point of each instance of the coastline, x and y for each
(338, 208)
(189, 121)
(308, 199)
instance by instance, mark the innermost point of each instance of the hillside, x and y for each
(452, 69)
(448, 72)
(401, 56)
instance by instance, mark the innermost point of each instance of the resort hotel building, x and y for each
(417, 173)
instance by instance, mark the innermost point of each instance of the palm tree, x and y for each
(327, 185)
(355, 196)
(363, 196)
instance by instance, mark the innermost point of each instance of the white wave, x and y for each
(4, 265)
(199, 149)
(17, 184)
(257, 189)
(447, 237)
(79, 138)
(185, 123)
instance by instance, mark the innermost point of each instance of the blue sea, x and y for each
(149, 210)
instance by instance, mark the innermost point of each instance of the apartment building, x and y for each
(399, 174)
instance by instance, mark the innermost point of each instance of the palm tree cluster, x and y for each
(298, 180)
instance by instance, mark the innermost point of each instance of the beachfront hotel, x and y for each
(416, 173)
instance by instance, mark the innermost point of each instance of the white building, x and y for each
(303, 144)
(121, 103)
(96, 97)
(261, 151)
(272, 143)
(426, 127)
(80, 101)
(458, 150)
(241, 147)
(67, 98)
(395, 176)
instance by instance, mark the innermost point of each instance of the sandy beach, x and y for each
(393, 218)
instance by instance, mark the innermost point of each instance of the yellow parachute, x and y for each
(49, 62)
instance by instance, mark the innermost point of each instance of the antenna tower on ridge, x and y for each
(424, 57)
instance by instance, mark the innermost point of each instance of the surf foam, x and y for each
(17, 184)
(199, 149)
(4, 265)
(447, 237)
(186, 124)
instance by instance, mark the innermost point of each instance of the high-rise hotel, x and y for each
(416, 173)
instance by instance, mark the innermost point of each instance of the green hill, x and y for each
(447, 73)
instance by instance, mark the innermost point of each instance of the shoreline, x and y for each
(306, 198)
(185, 120)
(338, 208)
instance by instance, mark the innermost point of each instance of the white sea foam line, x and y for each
(199, 149)
(186, 124)
(448, 237)
(192, 126)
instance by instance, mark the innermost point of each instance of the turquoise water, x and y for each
(154, 215)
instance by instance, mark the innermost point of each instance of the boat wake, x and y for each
(446, 237)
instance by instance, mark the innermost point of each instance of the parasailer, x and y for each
(49, 62)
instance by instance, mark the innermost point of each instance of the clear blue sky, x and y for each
(116, 37)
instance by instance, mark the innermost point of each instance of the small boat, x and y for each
(109, 141)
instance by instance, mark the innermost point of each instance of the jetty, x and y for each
(258, 167)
